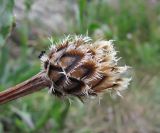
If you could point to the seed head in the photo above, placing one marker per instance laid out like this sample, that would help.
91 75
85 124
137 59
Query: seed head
77 66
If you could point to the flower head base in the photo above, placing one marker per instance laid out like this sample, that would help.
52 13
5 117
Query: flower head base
80 67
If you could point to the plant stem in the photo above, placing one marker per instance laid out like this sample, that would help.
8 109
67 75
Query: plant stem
29 86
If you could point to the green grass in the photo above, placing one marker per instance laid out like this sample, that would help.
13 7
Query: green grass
134 25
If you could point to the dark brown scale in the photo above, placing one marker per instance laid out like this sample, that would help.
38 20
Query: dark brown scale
79 72
102 84
98 82
74 63
75 86
61 80
66 61
57 77
55 55
84 71
74 56
59 48
58 55
55 68
53 72
90 69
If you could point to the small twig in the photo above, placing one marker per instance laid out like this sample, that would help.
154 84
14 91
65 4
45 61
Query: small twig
29 86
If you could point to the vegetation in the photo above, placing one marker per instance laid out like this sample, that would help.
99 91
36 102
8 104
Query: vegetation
134 25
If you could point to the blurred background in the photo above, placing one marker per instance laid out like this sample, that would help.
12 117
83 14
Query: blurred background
25 26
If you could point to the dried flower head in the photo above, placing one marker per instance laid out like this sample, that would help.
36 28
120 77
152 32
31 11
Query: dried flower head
77 66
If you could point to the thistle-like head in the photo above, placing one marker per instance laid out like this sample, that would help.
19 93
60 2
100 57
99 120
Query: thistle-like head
77 66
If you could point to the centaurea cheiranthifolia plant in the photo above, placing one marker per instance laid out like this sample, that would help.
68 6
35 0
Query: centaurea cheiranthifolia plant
76 66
